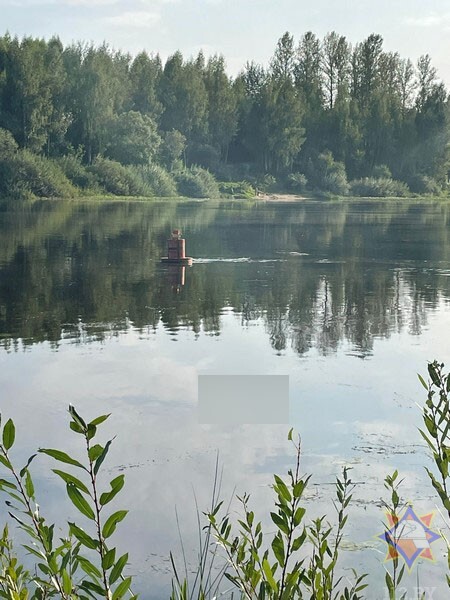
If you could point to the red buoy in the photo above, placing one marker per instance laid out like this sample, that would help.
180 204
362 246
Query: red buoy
176 249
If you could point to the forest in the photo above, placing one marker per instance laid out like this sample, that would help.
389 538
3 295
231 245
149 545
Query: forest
324 116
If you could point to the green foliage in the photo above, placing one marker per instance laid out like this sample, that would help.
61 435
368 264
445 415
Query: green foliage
375 112
273 565
78 173
381 172
8 145
83 564
379 187
237 189
156 181
26 175
328 175
266 183
172 149
393 508
132 139
196 182
118 179
423 184
436 418
297 182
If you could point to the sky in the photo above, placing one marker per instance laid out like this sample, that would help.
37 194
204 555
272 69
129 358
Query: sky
241 30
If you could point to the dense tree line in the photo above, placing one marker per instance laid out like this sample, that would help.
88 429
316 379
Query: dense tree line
323 113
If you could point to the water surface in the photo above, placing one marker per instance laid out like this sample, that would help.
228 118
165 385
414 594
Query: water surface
350 299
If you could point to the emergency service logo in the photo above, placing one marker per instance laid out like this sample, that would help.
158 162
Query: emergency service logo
409 536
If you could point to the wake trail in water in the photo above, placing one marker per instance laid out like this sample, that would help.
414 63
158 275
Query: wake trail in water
237 260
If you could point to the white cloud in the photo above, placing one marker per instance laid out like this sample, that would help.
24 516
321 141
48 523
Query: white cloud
137 19
90 3
30 3
430 20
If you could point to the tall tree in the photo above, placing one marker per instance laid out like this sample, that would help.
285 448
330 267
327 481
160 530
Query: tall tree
145 75
222 105
282 63
185 100
307 71
335 66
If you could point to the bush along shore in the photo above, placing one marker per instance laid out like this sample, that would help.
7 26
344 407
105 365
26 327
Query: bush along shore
324 117
28 176
297 559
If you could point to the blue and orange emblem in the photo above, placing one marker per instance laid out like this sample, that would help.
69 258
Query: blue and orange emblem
409 536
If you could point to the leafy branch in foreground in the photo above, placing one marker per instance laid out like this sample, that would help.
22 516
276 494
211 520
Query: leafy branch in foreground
322 569
393 535
274 568
101 577
436 418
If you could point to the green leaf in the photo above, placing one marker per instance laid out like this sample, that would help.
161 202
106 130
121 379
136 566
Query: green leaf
269 575
298 516
76 417
83 537
116 485
62 457
422 381
110 526
102 457
90 586
280 523
66 582
121 589
91 431
290 434
95 451
75 427
23 471
278 549
29 487
80 501
282 487
89 568
9 434
389 582
108 559
5 462
8 484
118 568
68 478
100 419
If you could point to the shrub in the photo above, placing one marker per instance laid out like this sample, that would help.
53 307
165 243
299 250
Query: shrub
77 173
266 183
156 180
117 179
422 184
328 175
27 175
381 172
197 183
237 189
335 183
378 188
8 144
297 182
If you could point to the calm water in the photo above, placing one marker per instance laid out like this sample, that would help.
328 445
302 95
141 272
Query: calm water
349 299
